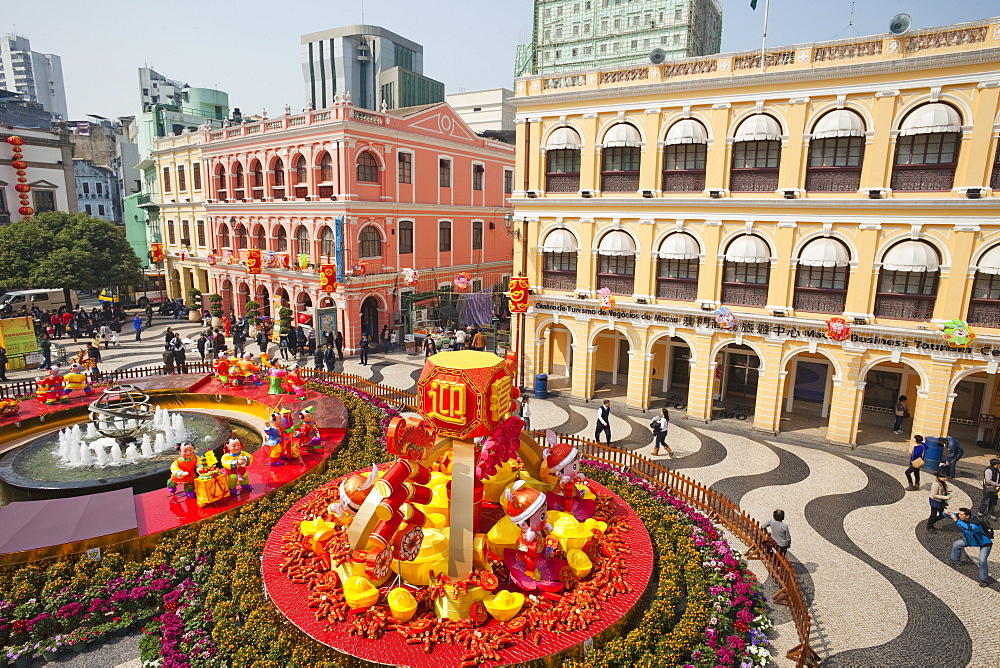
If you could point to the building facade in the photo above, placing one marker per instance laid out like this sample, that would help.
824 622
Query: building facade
18 112
372 193
36 76
843 208
374 65
485 110
581 34
49 173
97 191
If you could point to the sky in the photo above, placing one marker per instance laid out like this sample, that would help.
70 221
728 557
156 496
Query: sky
251 49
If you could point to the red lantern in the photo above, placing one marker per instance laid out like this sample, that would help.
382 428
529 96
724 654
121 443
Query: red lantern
14 140
19 164
22 188
18 155
25 211
20 172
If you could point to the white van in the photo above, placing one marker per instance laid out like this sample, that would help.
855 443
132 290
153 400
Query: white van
53 300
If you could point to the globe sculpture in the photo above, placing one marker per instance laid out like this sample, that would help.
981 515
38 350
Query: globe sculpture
120 412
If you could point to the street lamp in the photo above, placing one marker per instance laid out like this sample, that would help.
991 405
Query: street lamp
508 222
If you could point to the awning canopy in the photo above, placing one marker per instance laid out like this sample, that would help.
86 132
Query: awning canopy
679 246
934 117
559 241
616 243
686 132
911 256
748 249
563 138
990 263
839 123
622 134
824 253
758 128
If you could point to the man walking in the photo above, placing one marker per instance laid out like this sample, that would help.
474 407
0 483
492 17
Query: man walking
479 341
338 342
94 354
3 364
991 486
329 358
603 422
46 347
137 326
363 345
319 359
955 452
239 341
973 535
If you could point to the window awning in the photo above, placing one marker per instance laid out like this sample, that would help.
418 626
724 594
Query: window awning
990 263
679 246
616 243
622 134
934 117
911 256
563 138
758 128
748 249
839 123
686 132
824 253
559 241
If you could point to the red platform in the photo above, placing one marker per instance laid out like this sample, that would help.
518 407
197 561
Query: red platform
391 649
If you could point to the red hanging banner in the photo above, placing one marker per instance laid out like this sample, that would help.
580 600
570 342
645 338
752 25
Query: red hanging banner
156 253
253 261
518 293
328 278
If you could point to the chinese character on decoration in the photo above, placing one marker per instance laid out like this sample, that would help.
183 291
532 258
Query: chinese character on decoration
958 334
303 261
410 276
462 281
18 163
518 289
328 278
463 402
156 253
838 329
607 301
725 318
254 261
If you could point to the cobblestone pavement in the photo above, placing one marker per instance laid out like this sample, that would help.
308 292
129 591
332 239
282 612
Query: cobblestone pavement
880 587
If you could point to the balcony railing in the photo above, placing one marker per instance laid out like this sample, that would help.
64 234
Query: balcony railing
562 183
682 291
930 179
820 301
619 182
677 181
559 280
904 307
985 312
744 295
617 283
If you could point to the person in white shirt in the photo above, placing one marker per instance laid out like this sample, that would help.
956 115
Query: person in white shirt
460 339
526 413
660 431
603 422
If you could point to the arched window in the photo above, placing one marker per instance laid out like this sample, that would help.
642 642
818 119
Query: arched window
616 263
326 175
684 157
995 178
835 153
562 161
367 168
821 277
907 282
677 267
260 238
927 148
984 308
280 240
220 182
224 236
239 190
278 168
241 236
560 252
404 236
369 242
301 175
620 159
257 178
756 155
746 273
327 242
302 241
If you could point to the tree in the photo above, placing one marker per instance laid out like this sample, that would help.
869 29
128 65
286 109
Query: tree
61 250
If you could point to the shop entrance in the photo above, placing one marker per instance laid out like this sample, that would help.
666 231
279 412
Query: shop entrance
557 356
807 392
671 372
369 317
884 384
972 411
610 362
736 375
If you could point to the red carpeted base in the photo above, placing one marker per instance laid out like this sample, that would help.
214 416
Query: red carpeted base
391 649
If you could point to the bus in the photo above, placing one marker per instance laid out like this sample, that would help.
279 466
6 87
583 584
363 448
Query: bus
152 291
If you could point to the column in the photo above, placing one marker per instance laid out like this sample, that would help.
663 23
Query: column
186 284
650 160
864 277
710 269
717 155
876 168
845 406
975 160
640 375
793 150
767 410
590 156
782 284
702 382
586 263
534 155
933 410
644 262
953 293
582 375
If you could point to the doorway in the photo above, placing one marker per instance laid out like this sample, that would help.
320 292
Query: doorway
369 317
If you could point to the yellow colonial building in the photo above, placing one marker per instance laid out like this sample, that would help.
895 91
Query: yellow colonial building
183 187
855 180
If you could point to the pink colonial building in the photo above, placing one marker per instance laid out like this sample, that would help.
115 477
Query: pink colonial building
411 188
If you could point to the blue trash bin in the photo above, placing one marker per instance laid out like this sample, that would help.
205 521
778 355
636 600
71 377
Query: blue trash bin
541 386
933 453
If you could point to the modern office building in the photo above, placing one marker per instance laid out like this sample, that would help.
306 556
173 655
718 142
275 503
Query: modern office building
372 64
485 110
36 76
583 34
842 207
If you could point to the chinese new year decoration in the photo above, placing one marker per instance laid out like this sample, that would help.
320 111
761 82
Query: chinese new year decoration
725 318
518 295
958 334
605 298
20 165
156 253
211 259
410 276
328 278
254 261
462 281
837 329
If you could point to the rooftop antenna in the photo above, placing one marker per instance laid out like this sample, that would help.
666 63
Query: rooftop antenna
362 12
851 32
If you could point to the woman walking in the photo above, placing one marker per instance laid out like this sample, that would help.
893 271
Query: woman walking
916 463
901 412
660 432
940 495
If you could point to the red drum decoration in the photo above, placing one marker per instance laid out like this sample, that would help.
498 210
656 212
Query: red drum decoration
15 140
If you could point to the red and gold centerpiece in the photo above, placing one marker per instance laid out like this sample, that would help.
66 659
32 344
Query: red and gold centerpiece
478 543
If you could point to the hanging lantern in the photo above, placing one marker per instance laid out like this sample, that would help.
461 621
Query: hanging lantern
22 188
19 164
25 211
20 172
14 140
21 179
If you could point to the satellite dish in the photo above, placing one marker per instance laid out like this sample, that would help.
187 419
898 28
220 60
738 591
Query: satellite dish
900 23
657 56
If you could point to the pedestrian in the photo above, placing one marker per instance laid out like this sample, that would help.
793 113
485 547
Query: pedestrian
3 364
200 344
901 412
603 421
283 346
392 340
311 341
429 347
94 355
363 345
916 463
180 354
383 338
991 486
338 341
66 317
302 340
116 330
525 412
779 538
137 326
105 333
45 346
460 336
660 425
330 359
479 341
149 314
973 535
940 495
239 341
168 335
168 360
262 341
73 329
955 452
319 359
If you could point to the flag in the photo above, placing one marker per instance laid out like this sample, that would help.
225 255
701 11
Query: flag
753 4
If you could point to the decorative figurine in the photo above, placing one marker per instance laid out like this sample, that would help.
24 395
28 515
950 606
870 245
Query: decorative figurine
276 375
50 387
958 334
76 379
221 366
183 471
248 371
725 318
235 461
563 462
306 431
531 565
294 383
353 491
278 431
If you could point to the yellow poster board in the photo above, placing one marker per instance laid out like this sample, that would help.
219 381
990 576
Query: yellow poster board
17 335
